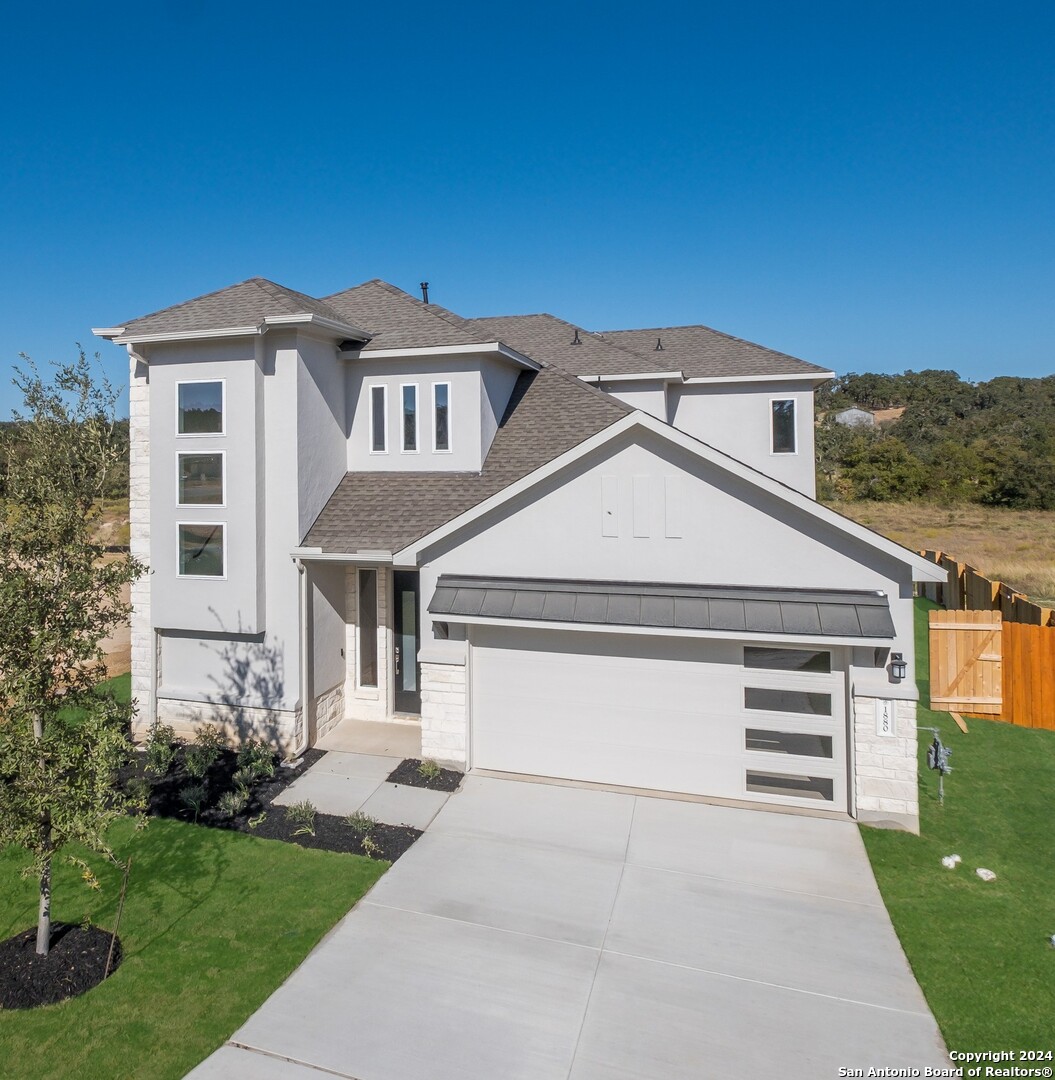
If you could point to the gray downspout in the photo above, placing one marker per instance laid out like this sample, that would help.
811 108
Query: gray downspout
307 703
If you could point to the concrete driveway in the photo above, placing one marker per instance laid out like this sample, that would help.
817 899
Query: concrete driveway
540 931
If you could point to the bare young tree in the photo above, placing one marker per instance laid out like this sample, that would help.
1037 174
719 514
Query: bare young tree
61 737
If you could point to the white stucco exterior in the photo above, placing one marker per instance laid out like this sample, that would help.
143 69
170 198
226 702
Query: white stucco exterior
272 647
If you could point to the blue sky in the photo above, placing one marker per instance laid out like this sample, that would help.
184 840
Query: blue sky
869 187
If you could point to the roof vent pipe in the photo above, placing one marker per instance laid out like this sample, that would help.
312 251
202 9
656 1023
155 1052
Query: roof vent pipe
659 344
575 340
424 292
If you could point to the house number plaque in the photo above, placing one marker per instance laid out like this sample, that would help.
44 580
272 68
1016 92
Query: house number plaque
884 718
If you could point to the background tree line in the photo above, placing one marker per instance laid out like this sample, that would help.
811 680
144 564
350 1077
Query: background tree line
14 447
991 442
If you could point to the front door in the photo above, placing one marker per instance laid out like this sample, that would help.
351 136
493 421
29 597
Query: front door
406 669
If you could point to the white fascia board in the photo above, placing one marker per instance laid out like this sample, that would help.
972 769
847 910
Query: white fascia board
309 554
110 332
489 348
815 377
663 631
922 569
122 337
645 376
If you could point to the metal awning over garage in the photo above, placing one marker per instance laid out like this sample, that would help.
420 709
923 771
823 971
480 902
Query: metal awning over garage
716 608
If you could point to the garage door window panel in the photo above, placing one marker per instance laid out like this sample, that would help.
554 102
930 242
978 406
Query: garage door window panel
794 785
814 661
791 743
772 699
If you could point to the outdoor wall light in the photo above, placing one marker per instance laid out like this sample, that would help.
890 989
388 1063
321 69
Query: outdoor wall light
898 667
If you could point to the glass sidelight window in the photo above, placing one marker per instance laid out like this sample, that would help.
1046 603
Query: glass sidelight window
778 659
368 628
787 701
820 788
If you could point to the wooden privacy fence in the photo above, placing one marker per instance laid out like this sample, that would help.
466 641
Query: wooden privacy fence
983 665
967 590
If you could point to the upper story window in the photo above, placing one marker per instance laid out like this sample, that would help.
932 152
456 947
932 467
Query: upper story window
202 552
378 418
441 416
783 425
409 395
200 408
200 478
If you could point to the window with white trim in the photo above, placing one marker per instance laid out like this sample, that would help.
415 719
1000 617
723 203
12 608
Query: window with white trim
378 419
200 407
441 417
200 478
408 394
783 421
202 551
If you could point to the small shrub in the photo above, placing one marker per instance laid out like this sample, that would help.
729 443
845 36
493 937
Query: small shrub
160 749
361 823
244 779
371 847
206 748
258 820
429 769
232 803
193 798
257 756
138 791
302 814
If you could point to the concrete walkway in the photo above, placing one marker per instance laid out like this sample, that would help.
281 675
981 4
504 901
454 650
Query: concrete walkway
542 932
341 784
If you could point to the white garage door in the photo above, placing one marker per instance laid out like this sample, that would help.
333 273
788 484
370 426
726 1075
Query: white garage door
721 718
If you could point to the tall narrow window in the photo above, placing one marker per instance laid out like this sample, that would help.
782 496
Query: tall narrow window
378 429
783 426
441 419
410 418
368 628
199 408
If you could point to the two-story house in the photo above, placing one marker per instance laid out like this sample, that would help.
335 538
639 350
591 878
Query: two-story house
589 556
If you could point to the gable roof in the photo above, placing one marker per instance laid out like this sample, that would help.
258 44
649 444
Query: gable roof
398 320
245 305
703 353
549 413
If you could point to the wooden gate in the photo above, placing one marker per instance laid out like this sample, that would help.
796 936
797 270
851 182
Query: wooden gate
1029 693
966 671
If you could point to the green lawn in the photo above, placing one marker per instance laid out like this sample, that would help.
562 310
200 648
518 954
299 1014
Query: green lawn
213 922
980 951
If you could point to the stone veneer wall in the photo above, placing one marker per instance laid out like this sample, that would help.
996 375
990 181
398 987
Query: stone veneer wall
238 723
444 722
886 766
142 633
366 703
329 710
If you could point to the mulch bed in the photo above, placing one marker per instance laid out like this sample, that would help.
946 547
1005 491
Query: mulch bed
406 772
260 817
74 964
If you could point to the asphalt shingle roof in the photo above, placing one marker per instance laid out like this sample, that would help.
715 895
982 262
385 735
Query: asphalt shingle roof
700 352
245 304
548 414
399 321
